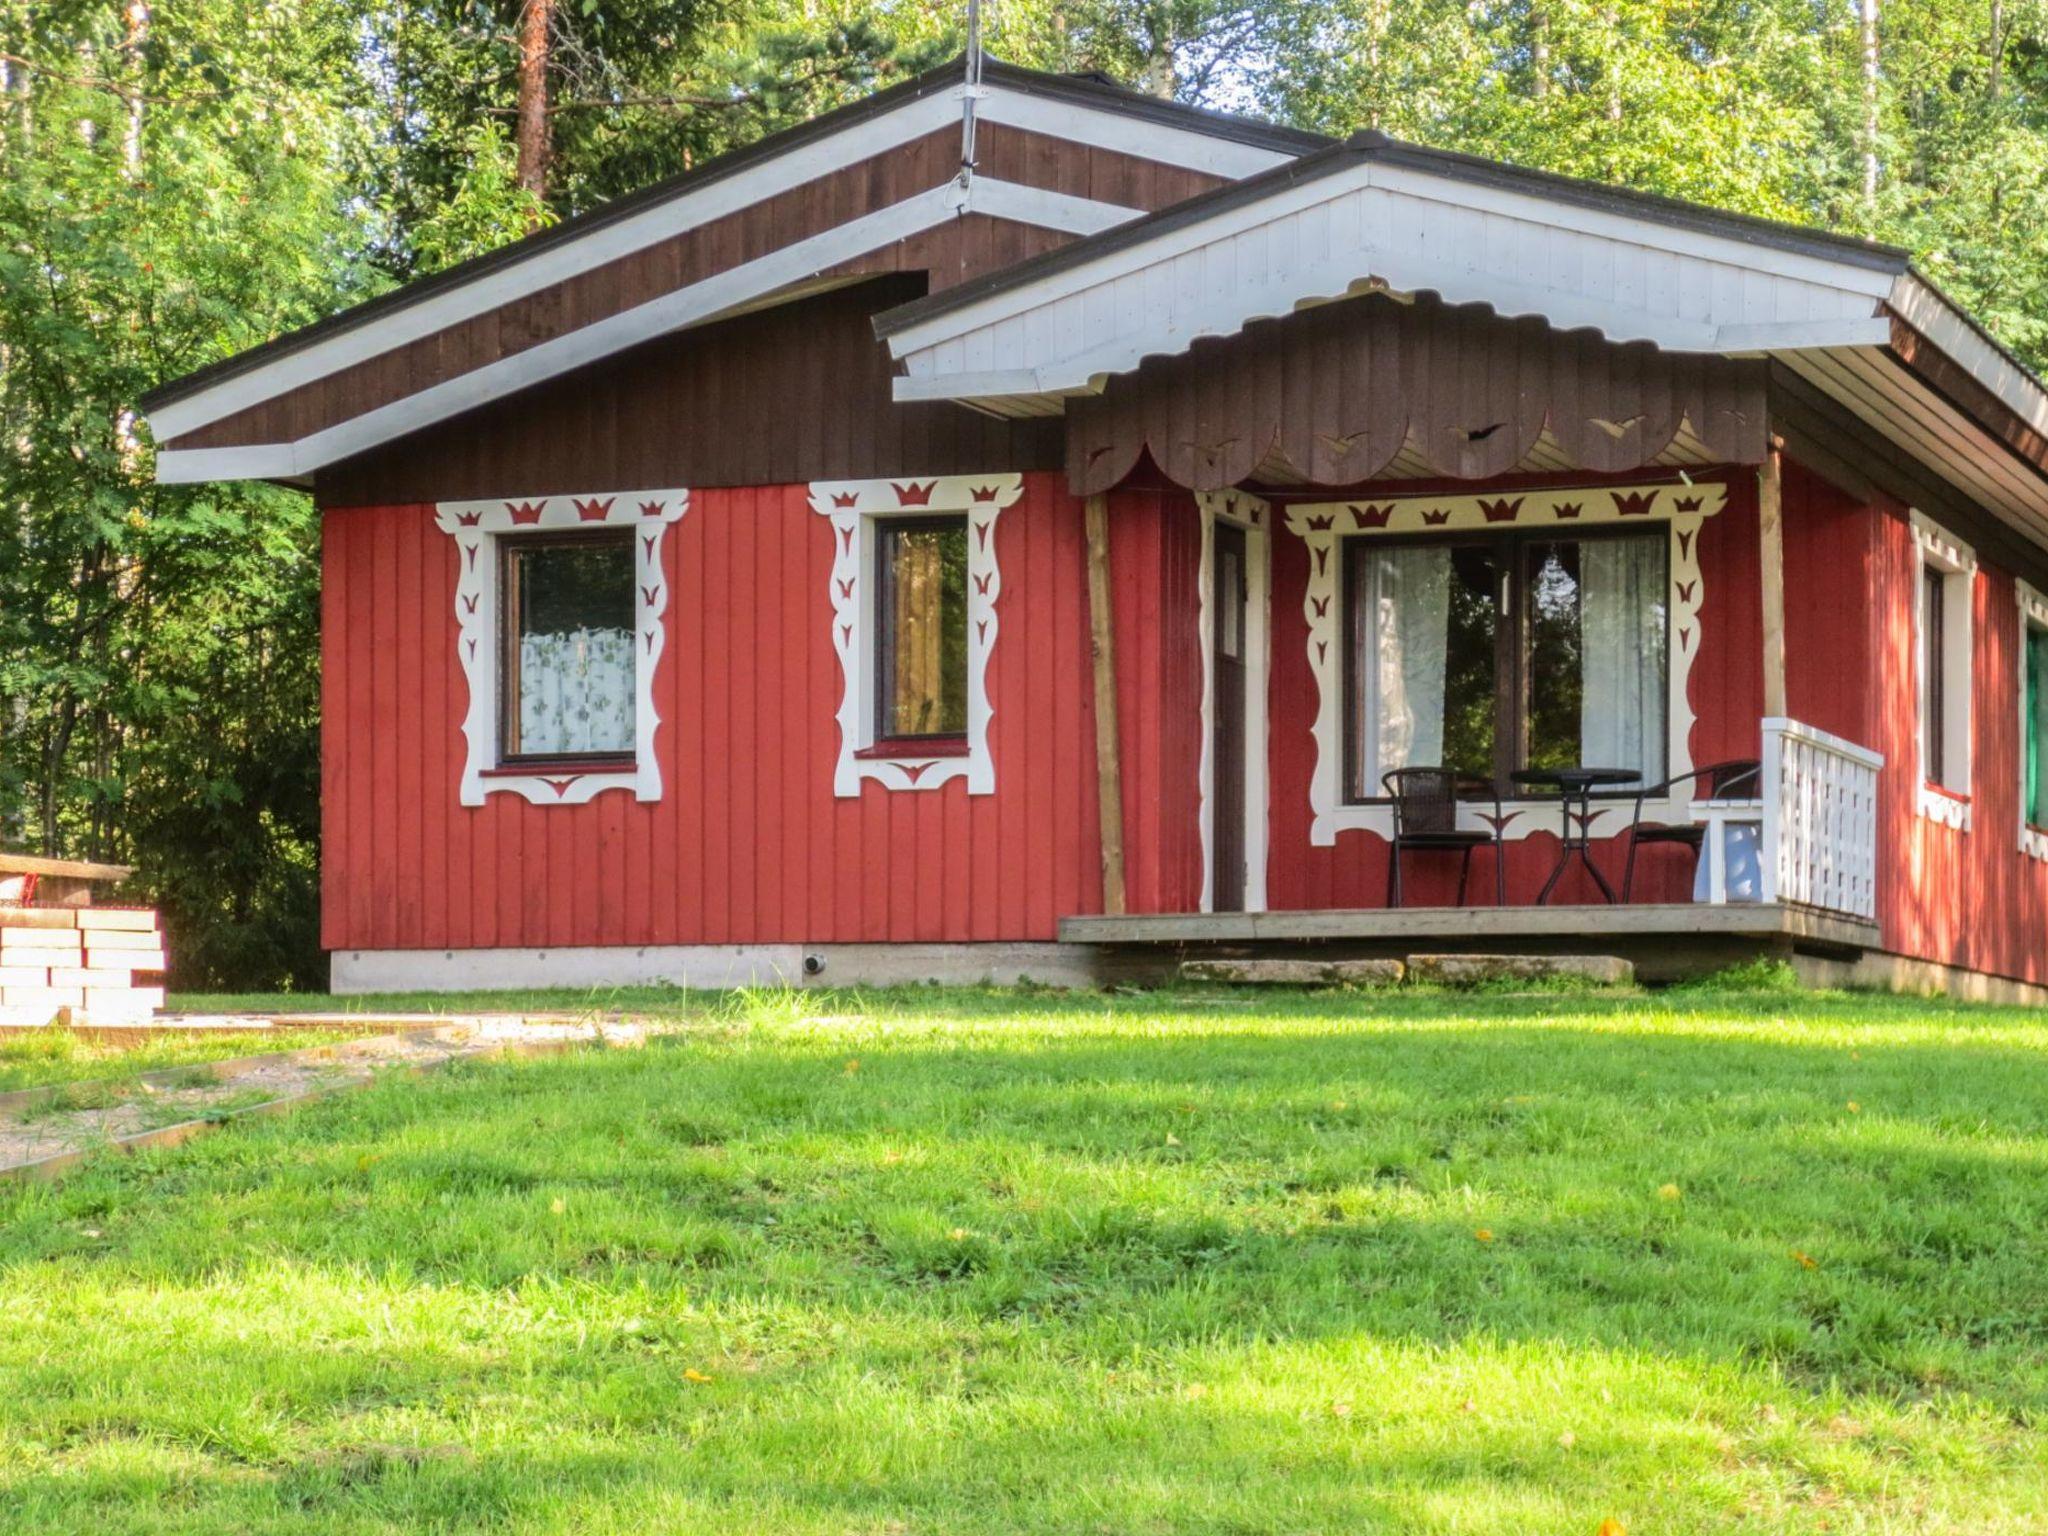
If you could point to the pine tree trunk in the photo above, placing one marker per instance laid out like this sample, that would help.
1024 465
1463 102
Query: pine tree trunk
534 136
1870 77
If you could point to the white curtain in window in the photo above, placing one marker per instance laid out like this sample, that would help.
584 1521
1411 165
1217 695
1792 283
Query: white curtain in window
1622 636
1411 635
576 691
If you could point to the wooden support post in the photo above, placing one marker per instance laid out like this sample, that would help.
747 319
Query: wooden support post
1770 504
1108 755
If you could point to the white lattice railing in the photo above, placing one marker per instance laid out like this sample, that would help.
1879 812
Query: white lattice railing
1819 797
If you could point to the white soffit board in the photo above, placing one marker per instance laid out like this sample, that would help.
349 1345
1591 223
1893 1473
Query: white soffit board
1406 230
553 263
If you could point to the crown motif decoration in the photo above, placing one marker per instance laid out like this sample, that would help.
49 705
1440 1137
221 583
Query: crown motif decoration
468 519
1373 514
1436 517
1567 509
525 512
593 510
846 498
984 492
1322 524
1686 504
1501 510
653 508
1633 503
914 495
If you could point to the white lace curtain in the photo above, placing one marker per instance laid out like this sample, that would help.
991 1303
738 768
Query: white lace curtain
1411 598
1622 600
576 691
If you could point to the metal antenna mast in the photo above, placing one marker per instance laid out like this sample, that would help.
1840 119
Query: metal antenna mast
972 93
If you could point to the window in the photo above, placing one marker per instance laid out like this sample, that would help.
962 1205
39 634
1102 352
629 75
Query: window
1490 654
1946 578
566 624
2033 720
921 629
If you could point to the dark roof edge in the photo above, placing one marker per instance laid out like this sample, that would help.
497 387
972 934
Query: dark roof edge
1372 146
1085 90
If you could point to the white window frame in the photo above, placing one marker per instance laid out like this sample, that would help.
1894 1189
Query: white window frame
855 509
2033 606
1682 509
479 528
1947 803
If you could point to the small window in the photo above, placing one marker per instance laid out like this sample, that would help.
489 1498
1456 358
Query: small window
568 677
2034 722
1942 662
921 628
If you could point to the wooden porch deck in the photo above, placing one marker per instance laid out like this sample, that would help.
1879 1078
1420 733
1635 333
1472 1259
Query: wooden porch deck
1666 942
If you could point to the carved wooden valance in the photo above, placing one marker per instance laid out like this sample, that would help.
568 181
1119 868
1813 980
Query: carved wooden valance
1367 387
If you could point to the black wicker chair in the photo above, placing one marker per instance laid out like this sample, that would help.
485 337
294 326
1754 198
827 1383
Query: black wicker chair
1426 821
1737 779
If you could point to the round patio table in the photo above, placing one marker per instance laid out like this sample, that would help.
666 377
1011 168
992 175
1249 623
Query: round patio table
1575 788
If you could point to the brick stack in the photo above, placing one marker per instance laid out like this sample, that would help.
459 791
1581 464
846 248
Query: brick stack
90 965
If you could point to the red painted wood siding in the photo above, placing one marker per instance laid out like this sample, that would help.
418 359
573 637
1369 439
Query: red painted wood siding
1726 689
1967 898
748 843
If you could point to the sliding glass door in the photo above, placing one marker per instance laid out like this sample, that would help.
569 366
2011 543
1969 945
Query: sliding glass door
1490 654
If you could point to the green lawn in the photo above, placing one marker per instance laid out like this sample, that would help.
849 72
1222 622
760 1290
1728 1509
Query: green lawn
951 1262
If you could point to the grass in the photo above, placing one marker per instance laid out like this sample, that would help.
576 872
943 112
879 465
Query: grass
970 1262
38 1057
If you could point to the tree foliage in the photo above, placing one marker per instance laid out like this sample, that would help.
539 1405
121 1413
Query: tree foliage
180 181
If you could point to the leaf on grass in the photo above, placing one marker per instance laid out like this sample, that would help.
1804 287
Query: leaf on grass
1172 1140
558 1205
1806 1260
1855 1108
852 1065
1484 1234
693 1374
1611 1527
1341 1409
1667 1192
1567 1440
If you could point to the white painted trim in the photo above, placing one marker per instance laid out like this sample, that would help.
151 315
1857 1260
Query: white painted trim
711 966
1215 154
477 528
854 506
2033 607
1683 509
1946 804
1253 516
609 242
714 298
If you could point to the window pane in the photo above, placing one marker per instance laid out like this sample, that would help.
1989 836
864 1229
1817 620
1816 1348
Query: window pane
1933 646
1424 619
572 604
923 629
1597 654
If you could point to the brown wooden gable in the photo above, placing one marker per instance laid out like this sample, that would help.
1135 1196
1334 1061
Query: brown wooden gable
947 255
1371 387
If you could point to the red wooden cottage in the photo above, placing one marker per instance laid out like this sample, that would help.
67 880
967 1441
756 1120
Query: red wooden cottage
837 560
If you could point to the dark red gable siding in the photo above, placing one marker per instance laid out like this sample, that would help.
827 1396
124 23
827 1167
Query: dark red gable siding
748 842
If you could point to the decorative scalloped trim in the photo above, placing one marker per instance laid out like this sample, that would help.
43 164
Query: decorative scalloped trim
1944 809
853 506
1682 508
476 526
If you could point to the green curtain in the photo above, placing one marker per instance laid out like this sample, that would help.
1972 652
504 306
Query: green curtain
2037 725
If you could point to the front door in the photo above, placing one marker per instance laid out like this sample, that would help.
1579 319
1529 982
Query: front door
1226 749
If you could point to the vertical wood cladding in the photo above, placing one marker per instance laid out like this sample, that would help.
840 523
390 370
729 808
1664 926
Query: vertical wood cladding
748 842
799 392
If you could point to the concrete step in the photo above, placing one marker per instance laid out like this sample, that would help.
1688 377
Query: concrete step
1295 973
1472 970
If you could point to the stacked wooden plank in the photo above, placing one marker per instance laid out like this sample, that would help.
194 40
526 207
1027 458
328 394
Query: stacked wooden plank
90 965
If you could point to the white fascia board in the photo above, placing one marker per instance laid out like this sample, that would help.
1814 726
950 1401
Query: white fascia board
1188 148
721 294
1846 285
1212 154
1924 309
